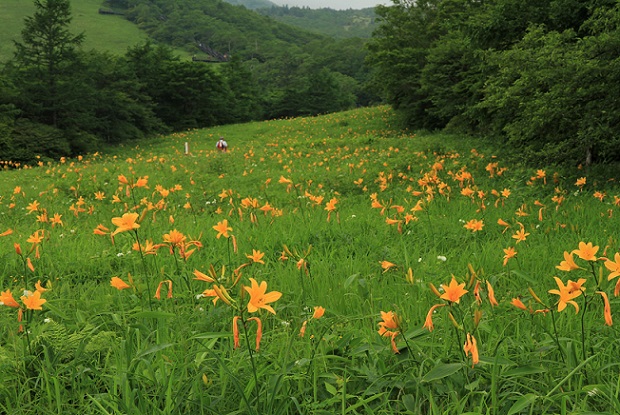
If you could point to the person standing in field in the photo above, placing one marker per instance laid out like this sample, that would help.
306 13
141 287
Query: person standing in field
222 145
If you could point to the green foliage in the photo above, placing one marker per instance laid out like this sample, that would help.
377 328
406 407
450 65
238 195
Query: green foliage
534 73
335 23
93 349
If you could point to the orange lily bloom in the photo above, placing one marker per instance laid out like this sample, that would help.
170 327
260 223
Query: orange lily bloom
387 265
520 235
390 321
503 223
586 251
318 312
158 291
474 225
7 232
428 322
257 256
491 294
607 312
260 298
568 264
174 238
518 303
566 294
6 298
453 291
33 301
613 266
509 253
235 330
222 229
471 347
118 283
202 277
127 222
259 331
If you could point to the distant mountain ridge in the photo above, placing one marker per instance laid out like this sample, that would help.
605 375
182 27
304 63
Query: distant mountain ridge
252 4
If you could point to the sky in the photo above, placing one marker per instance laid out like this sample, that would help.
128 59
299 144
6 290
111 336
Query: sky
332 4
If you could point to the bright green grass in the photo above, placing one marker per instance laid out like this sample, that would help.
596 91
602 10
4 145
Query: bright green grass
108 33
95 350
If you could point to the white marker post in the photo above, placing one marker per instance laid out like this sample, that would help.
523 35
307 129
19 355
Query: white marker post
186 148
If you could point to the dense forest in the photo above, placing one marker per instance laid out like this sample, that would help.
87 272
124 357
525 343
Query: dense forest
335 23
541 75
57 99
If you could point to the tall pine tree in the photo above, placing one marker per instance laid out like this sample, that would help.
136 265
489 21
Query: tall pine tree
46 58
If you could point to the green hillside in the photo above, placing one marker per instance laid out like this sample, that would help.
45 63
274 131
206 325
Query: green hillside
103 32
335 23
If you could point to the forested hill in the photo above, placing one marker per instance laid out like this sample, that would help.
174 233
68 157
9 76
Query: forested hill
60 96
335 23
212 26
252 4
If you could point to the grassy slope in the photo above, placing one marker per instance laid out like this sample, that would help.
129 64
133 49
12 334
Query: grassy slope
103 32
323 155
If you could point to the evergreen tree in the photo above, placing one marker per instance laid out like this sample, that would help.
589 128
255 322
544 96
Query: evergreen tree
46 57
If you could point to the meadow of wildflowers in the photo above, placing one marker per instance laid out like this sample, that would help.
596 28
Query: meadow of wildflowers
322 265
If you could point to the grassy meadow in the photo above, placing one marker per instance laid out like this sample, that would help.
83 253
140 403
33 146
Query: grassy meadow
322 265
104 33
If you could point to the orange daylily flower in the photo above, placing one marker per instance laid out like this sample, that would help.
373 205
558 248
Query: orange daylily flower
613 266
453 291
222 229
147 248
202 277
118 283
40 288
33 301
580 182
391 322
302 330
566 294
127 222
503 223
607 308
586 251
257 256
318 312
474 225
509 253
56 220
33 207
6 298
387 265
235 330
174 238
491 293
36 238
520 235
568 264
518 303
259 297
259 331
428 322
471 347
158 291
7 232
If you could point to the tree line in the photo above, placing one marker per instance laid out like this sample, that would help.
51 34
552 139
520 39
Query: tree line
543 76
57 99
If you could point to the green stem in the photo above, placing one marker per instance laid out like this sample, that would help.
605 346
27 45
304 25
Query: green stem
247 342
557 340
146 273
